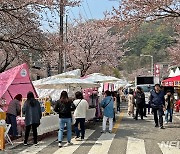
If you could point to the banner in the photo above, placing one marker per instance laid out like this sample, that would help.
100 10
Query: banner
156 70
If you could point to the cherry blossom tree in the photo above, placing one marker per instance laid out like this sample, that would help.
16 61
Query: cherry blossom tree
91 46
146 10
174 53
135 12
20 32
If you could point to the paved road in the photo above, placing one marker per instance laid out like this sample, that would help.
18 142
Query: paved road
129 137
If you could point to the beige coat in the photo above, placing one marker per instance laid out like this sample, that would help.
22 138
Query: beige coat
130 103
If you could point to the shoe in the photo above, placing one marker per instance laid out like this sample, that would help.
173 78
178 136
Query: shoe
35 144
25 144
103 131
59 145
156 125
166 122
69 143
18 135
162 127
135 118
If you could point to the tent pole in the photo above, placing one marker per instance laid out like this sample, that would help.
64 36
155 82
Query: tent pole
10 94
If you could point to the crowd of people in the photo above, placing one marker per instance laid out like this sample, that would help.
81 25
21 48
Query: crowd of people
110 104
161 103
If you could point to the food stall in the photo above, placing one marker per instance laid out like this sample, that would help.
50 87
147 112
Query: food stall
174 82
50 119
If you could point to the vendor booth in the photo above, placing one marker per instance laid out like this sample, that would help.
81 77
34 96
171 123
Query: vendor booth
174 82
15 81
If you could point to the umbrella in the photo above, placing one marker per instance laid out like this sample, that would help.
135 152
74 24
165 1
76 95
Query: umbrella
66 83
100 78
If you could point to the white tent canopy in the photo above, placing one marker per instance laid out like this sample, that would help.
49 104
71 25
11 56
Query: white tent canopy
66 83
122 83
100 78
71 74
177 72
172 74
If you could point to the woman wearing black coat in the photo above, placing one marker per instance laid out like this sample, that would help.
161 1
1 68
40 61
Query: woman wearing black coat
140 102
32 111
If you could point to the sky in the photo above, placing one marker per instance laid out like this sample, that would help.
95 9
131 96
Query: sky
89 9
93 8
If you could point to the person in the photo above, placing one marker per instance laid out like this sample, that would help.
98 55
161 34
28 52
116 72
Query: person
80 114
140 102
113 94
157 103
63 107
14 109
107 103
118 102
169 105
33 114
131 103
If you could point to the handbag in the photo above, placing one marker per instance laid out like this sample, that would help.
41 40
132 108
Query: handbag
78 103
104 106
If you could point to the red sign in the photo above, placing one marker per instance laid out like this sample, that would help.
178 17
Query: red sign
156 69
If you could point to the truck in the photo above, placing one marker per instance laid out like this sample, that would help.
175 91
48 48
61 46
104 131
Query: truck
147 84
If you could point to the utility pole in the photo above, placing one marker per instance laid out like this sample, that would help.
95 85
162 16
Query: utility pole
61 14
66 42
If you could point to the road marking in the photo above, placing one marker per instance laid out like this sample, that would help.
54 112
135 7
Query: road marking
103 144
76 144
42 144
117 124
168 149
135 146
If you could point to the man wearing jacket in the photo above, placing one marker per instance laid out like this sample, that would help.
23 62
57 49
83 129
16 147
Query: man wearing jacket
158 103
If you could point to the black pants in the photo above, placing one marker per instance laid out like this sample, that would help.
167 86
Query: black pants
145 109
139 110
27 131
118 107
114 119
82 126
158 111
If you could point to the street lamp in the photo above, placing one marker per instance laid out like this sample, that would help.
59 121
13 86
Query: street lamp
152 62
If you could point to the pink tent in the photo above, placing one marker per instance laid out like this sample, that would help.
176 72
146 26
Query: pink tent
15 81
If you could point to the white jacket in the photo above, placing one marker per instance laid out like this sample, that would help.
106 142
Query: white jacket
80 111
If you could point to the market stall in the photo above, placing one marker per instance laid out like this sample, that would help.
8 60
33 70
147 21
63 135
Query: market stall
50 123
95 95
68 84
13 81
174 82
